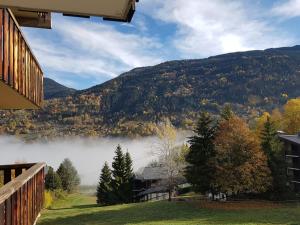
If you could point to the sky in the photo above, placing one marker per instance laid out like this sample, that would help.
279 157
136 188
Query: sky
80 52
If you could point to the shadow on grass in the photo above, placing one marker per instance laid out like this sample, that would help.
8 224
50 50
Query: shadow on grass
168 213
88 206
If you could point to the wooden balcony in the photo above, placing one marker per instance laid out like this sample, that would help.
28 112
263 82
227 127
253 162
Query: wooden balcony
22 196
21 77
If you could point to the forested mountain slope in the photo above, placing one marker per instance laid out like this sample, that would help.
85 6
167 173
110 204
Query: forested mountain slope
252 82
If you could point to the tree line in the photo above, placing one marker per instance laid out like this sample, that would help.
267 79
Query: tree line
226 156
66 177
116 184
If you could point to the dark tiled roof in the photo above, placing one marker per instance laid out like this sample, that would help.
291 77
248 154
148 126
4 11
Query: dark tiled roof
158 189
153 173
290 138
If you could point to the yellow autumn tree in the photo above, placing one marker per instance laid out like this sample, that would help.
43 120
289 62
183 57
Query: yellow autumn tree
260 122
241 165
291 116
169 155
275 118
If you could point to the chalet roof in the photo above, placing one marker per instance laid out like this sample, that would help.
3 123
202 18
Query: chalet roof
153 173
157 189
290 138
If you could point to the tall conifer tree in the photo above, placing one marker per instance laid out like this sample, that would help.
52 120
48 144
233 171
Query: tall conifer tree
200 170
276 161
129 176
104 189
119 174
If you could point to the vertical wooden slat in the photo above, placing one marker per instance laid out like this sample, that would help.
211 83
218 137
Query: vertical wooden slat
29 72
2 214
26 73
1 44
29 202
18 171
5 46
25 204
20 63
11 52
8 212
7 176
20 206
16 55
14 201
23 67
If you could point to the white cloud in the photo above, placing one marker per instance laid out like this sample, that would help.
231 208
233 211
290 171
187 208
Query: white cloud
99 51
92 49
288 9
210 27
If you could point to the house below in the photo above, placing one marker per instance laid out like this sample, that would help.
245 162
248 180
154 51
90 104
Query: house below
292 155
150 185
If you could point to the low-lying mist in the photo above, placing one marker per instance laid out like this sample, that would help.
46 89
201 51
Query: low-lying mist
87 154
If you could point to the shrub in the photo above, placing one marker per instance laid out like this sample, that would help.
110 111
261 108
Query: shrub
59 194
48 199
52 180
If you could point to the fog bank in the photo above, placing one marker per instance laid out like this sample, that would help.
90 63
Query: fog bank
87 154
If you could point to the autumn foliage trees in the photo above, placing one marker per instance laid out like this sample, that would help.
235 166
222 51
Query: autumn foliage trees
226 156
241 165
286 119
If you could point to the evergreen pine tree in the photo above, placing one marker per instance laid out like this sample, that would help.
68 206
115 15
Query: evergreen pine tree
273 149
52 180
119 175
129 177
68 175
128 166
104 189
200 171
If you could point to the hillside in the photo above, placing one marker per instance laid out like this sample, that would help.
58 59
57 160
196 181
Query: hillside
52 89
258 79
131 104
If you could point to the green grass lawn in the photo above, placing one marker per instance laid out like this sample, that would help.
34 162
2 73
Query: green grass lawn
78 209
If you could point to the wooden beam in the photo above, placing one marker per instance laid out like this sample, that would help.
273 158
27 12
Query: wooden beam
33 18
17 166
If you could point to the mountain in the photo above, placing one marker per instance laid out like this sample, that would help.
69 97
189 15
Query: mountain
133 103
52 89
258 80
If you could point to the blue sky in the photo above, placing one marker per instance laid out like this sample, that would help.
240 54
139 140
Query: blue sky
80 53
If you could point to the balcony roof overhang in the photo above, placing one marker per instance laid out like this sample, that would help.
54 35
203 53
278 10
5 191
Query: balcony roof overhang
37 13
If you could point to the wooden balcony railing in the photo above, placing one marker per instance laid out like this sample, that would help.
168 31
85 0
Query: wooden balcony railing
21 77
22 196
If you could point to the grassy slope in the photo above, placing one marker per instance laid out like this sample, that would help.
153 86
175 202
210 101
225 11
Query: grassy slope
81 210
